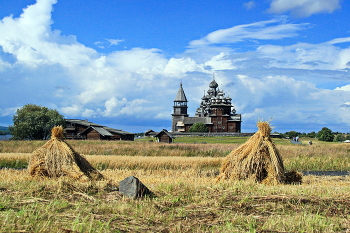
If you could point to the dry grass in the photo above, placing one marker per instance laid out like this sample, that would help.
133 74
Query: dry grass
187 201
103 162
56 158
257 159
322 157
187 197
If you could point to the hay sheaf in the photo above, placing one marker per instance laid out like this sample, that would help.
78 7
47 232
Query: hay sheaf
56 158
257 159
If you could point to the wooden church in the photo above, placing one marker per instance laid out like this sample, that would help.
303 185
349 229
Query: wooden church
215 111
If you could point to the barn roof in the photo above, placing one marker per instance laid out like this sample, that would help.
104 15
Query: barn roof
117 131
99 130
165 132
82 122
103 130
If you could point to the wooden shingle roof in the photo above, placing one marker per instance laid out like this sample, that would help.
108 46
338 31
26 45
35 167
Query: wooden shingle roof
180 96
165 132
103 130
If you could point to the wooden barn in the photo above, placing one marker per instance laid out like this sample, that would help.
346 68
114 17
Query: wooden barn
164 136
149 133
85 130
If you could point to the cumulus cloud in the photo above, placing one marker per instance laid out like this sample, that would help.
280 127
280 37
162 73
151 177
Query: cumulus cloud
137 59
30 39
42 66
73 110
287 100
179 66
220 62
273 29
343 88
113 106
303 8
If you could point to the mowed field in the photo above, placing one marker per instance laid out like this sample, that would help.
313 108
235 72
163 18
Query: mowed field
186 196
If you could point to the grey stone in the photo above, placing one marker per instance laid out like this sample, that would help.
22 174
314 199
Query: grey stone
133 188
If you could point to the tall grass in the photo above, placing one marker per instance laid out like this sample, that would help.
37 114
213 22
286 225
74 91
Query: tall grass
126 148
109 154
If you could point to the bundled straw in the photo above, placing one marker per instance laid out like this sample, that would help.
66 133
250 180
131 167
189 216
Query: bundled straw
257 159
56 158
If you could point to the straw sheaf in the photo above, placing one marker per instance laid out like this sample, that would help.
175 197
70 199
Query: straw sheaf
56 158
256 159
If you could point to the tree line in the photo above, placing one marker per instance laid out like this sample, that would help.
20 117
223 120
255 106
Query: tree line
33 122
325 134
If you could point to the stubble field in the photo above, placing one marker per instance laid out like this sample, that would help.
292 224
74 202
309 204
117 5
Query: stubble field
186 197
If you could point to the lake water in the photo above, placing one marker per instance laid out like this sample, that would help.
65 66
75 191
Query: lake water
5 137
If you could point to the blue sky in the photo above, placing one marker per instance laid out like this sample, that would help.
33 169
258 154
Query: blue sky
120 63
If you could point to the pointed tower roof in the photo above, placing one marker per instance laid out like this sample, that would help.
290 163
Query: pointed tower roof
180 96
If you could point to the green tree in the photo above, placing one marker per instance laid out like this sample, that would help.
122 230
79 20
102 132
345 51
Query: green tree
312 134
325 135
198 127
33 122
292 134
339 137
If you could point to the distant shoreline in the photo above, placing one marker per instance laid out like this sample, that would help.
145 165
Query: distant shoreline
5 137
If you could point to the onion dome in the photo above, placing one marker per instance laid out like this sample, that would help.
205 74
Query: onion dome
213 84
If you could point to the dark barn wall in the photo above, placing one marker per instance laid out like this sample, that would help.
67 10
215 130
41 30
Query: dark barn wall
163 137
93 135
116 137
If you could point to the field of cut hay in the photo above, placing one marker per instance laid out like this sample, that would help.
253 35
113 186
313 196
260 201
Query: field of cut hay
186 196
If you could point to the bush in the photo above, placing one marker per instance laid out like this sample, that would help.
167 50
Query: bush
325 135
198 127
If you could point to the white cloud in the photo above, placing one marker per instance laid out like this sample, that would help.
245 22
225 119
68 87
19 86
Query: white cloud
8 111
74 110
273 29
113 106
88 113
108 43
303 8
343 88
287 101
114 41
220 62
249 5
339 40
4 65
179 67
30 39
323 56
137 59
140 83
